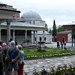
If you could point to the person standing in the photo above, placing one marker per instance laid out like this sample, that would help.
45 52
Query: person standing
21 64
1 61
61 45
13 56
58 44
5 47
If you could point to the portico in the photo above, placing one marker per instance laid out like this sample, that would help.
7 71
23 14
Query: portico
6 15
20 30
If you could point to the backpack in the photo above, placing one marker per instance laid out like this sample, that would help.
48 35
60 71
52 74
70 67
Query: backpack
13 54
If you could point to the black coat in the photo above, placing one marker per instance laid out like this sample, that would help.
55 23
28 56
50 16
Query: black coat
1 61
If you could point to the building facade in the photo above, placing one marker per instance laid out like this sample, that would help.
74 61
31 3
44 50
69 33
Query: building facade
67 35
21 28
47 37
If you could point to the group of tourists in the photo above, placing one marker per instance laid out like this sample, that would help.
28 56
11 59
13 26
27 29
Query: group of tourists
61 45
11 58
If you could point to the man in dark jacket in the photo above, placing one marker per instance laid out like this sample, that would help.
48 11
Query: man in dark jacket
1 62
5 47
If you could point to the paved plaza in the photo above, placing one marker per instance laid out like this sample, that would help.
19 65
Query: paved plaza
47 63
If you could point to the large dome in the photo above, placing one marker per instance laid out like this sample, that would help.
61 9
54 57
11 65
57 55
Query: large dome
30 15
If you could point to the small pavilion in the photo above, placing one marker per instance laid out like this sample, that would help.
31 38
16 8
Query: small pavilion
6 15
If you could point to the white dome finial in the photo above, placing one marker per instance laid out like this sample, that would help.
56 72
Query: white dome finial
30 8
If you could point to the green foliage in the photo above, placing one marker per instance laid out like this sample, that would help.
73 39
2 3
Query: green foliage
32 52
60 70
46 26
59 29
73 35
50 31
54 33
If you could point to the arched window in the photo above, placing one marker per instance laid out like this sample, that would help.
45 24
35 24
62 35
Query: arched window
35 38
40 39
44 38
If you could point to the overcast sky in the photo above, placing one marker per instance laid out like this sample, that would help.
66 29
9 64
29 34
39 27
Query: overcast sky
63 11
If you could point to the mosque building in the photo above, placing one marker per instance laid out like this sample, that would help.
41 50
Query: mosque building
24 28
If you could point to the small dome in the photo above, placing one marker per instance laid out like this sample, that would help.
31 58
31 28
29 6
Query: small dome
30 15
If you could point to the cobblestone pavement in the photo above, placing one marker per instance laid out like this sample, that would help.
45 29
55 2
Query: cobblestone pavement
31 65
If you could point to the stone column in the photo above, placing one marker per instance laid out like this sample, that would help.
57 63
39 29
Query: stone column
8 29
14 35
33 36
43 35
26 38
0 34
25 34
36 38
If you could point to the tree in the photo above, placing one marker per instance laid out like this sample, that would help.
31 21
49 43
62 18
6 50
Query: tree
54 33
60 28
49 30
46 26
73 39
73 35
